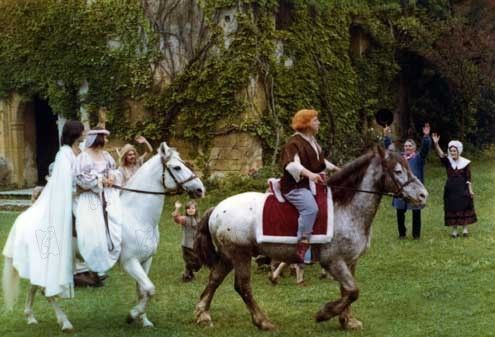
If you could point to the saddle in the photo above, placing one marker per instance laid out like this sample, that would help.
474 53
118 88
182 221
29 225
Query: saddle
279 218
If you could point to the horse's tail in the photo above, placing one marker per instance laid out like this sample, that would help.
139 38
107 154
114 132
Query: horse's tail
10 283
203 244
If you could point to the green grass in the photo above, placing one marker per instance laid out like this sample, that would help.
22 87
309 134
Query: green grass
437 286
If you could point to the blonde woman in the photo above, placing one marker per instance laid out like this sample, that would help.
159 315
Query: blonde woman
129 159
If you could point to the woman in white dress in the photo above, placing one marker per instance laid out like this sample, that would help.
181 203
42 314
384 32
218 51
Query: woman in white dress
97 207
39 246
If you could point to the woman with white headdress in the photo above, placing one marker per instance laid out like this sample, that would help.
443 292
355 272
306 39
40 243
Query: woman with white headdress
458 191
97 209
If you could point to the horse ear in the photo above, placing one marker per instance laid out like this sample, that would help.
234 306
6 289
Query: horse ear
165 151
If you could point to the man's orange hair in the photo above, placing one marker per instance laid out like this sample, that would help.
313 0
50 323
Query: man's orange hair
302 118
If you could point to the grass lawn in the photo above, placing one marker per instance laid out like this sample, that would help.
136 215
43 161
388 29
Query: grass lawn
437 286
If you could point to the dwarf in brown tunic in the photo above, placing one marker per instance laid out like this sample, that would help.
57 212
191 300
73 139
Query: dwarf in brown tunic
303 161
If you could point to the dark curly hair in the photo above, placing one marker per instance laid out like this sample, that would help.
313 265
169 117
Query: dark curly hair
71 132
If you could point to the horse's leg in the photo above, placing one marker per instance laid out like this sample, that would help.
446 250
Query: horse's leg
217 275
300 275
144 299
345 318
28 308
62 319
349 291
146 287
242 268
274 276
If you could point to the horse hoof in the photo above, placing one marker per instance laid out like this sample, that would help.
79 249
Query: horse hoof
32 321
67 327
273 280
204 319
130 319
151 291
322 316
148 324
267 326
353 324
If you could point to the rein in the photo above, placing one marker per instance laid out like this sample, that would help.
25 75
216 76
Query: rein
137 191
393 195
400 187
179 184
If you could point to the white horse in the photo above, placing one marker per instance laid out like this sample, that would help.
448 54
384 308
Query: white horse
163 173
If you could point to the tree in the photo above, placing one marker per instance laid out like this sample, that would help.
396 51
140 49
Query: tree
463 54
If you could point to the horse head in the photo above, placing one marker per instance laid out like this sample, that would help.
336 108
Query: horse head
399 179
177 175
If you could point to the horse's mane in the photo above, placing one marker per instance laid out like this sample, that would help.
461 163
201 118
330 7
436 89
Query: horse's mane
348 178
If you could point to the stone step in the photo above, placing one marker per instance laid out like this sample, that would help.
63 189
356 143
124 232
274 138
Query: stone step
16 205
24 194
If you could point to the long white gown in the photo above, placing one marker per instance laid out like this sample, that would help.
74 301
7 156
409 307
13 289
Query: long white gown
40 241
99 243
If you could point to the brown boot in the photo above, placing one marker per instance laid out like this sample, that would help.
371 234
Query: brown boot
301 248
87 279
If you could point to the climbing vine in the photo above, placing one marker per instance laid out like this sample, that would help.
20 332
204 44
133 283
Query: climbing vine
318 69
306 64
50 48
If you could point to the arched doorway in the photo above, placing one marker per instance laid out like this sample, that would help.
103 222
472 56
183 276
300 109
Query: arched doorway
47 137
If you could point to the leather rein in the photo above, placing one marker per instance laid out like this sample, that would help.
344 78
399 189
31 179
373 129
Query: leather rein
179 184
396 194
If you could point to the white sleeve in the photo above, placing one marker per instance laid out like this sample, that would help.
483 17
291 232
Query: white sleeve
85 175
330 166
295 168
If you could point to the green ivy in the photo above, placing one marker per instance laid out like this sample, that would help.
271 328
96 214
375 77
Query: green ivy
50 47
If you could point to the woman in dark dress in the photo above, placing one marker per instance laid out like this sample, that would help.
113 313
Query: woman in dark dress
458 192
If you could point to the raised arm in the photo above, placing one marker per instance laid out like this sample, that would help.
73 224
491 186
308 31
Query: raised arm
387 137
436 139
178 218
149 149
426 143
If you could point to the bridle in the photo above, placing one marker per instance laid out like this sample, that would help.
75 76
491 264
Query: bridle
166 168
398 185
179 184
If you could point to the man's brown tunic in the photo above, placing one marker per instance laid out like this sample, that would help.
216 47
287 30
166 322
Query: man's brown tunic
296 144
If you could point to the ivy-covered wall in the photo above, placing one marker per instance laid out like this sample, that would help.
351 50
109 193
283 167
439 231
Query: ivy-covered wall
300 53
50 48
296 54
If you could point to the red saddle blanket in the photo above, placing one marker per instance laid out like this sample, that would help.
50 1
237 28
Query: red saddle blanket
280 218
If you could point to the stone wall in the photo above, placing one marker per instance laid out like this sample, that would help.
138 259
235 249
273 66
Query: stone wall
18 141
235 153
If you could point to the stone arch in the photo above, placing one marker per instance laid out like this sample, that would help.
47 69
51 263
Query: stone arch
18 140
